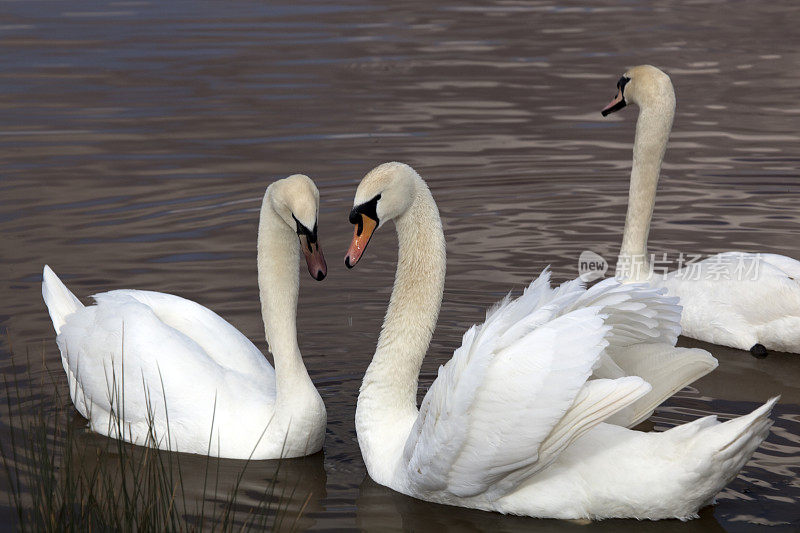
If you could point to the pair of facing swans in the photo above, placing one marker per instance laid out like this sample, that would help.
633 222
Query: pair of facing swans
531 416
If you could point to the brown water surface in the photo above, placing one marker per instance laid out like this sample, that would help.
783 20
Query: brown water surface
137 137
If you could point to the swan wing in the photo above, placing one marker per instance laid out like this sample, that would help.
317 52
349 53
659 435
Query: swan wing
637 313
127 362
746 262
219 340
645 324
514 395
740 299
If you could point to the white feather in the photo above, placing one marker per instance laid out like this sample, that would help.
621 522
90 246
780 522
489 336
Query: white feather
513 422
159 370
740 299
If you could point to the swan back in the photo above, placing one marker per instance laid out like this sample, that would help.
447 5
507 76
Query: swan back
215 336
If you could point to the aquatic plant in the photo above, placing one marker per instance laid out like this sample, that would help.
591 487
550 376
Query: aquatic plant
62 477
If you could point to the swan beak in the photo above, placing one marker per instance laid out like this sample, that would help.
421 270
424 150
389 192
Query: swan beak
614 105
314 258
361 236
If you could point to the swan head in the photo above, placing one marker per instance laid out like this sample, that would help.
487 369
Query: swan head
644 85
385 193
296 200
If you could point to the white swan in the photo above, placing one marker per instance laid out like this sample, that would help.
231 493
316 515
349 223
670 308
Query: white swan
749 301
511 423
222 396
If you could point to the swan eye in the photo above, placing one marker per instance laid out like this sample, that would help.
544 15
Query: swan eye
369 209
311 235
365 219
623 81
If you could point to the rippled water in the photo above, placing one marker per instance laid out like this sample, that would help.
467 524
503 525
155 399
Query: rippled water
137 138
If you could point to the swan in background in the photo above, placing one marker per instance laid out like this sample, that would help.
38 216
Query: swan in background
512 423
190 381
749 301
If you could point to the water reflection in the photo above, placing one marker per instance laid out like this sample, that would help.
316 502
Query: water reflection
138 138
281 494
288 491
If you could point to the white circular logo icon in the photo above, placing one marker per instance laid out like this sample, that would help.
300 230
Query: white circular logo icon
591 266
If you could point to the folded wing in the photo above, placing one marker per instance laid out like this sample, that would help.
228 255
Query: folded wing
515 394
645 325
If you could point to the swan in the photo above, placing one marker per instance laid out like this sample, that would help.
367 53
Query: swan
512 423
159 370
749 301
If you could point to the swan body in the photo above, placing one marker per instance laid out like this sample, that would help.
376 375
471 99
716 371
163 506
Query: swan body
749 301
754 301
159 370
514 421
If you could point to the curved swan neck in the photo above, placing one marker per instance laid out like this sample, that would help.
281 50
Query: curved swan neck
652 133
278 283
389 390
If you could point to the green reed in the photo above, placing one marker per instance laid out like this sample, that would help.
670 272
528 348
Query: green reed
62 477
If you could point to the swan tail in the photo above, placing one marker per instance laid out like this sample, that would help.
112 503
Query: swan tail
736 439
60 302
722 449
668 369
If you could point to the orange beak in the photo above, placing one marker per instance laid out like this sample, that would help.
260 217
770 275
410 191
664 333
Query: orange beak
314 258
365 226
614 105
